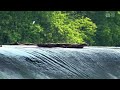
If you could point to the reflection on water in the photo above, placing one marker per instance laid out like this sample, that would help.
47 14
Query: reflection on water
61 63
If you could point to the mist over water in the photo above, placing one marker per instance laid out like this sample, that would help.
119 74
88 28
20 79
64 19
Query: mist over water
31 62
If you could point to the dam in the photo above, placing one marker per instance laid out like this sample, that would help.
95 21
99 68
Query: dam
32 62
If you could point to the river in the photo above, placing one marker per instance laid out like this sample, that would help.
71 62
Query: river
32 62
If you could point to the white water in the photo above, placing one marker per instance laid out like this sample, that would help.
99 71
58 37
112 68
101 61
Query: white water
31 62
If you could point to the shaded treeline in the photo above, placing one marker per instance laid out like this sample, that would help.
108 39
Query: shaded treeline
92 27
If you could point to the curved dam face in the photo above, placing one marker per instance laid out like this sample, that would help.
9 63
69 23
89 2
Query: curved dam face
32 62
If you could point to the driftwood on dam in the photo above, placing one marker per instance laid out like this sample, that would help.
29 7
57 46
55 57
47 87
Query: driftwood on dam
50 45
62 45
17 43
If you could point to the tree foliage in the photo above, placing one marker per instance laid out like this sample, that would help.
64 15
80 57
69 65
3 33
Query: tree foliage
45 27
108 25
92 27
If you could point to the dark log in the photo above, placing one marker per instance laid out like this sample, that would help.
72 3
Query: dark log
29 44
16 43
50 45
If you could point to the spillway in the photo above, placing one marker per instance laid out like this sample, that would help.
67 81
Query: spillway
32 62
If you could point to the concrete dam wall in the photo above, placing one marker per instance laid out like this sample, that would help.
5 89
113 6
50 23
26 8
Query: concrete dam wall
32 62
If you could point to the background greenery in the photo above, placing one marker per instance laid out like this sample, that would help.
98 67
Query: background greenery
93 27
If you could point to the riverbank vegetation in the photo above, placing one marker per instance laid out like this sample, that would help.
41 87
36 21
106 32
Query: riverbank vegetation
92 27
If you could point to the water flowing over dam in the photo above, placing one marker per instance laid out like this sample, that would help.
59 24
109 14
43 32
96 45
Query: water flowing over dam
32 62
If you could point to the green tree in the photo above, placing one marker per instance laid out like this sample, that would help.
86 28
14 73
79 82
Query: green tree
70 29
107 33
48 27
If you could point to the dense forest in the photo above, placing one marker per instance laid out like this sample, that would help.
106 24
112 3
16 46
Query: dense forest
100 28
